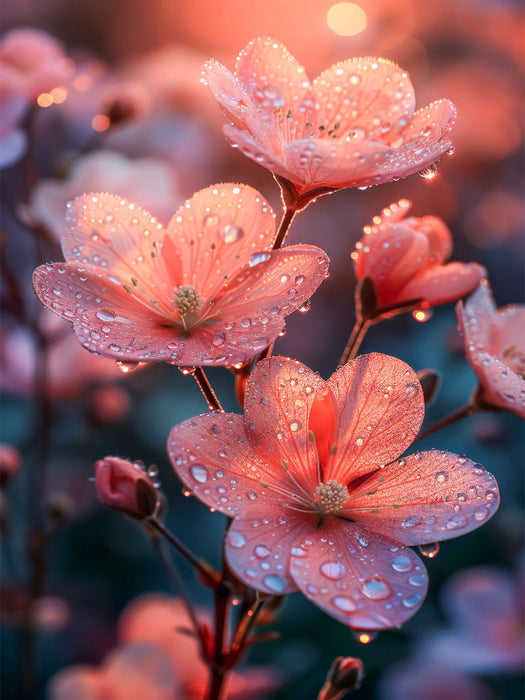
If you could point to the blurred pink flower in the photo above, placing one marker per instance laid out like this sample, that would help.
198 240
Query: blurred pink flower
123 486
495 349
487 633
32 62
405 256
70 368
205 291
10 463
355 126
157 660
318 498
149 182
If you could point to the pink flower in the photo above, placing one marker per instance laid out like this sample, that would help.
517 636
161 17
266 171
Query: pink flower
487 633
149 182
10 463
123 486
353 126
495 349
405 256
157 660
318 498
33 62
205 291
13 140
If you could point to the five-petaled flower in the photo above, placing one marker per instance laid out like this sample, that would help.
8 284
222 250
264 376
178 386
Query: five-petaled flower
208 290
495 349
319 499
404 257
354 126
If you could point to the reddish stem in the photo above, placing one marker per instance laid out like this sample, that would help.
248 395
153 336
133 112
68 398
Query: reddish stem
354 341
456 415
284 227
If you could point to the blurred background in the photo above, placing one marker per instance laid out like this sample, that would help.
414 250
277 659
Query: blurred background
131 117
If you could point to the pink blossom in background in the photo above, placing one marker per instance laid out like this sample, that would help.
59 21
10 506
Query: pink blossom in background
354 126
70 368
149 182
495 348
487 623
33 62
319 499
123 485
157 658
205 291
405 258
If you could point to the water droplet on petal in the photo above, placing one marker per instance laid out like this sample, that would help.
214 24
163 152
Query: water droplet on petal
236 539
274 583
417 579
411 521
364 636
402 563
199 473
429 550
332 570
375 589
411 601
456 522
441 477
231 234
343 603
261 551
430 172
258 258
105 315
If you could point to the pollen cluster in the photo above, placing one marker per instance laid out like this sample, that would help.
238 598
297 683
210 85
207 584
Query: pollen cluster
186 301
332 495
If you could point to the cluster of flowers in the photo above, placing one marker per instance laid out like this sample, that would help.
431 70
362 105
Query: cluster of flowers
312 477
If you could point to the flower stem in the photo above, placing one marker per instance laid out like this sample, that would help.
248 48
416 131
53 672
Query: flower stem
204 385
219 671
456 415
354 341
211 576
284 227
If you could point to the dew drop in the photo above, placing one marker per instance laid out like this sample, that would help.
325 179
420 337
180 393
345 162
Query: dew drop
295 425
417 579
456 522
441 477
105 315
274 583
210 221
402 564
297 552
199 473
430 172
411 601
126 367
332 570
231 234
218 339
236 539
261 551
411 521
258 258
375 589
481 514
364 636
343 603
429 550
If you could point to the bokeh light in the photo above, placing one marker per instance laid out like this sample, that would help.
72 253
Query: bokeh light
346 19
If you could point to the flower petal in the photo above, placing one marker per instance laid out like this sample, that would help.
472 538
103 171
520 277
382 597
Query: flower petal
362 581
258 546
276 82
258 150
425 497
430 124
118 237
217 231
381 411
440 284
277 406
370 98
276 282
215 461
106 319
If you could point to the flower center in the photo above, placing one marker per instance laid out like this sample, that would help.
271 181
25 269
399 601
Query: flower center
331 496
187 302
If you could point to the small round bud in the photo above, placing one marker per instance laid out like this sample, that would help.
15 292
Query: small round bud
345 674
123 486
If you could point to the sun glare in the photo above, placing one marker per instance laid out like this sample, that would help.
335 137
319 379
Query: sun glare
346 19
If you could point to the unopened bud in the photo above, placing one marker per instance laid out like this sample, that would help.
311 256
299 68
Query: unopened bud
345 674
430 381
123 486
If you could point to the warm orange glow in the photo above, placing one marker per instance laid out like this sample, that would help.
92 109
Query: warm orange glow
83 83
58 94
422 316
100 122
346 19
44 100
365 638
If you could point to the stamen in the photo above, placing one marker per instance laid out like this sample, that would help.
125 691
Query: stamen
332 496
187 302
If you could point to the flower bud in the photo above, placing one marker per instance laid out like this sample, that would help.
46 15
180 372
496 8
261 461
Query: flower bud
123 486
345 674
